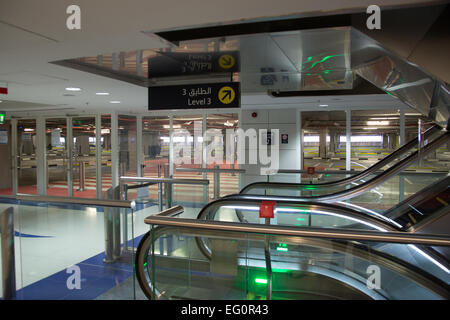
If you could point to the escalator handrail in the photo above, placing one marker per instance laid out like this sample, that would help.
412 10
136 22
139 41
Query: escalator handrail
360 175
349 213
416 274
354 191
424 194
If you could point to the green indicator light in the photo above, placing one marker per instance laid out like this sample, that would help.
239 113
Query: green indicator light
282 249
300 219
259 280
2 118
284 245
145 264
280 270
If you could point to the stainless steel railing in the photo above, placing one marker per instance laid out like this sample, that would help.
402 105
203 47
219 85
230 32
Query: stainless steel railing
8 254
169 182
7 231
217 171
245 232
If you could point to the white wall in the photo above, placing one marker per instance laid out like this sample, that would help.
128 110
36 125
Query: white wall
285 121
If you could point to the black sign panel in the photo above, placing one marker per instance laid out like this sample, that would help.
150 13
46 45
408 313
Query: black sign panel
196 96
167 64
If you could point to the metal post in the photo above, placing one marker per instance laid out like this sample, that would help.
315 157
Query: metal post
98 155
108 224
216 183
8 254
82 175
116 224
168 187
69 156
14 153
160 192
268 264
420 142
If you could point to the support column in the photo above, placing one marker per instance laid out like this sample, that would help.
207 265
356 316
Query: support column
323 143
300 143
171 150
348 145
98 154
114 149
204 157
41 163
402 128
14 155
69 154
139 157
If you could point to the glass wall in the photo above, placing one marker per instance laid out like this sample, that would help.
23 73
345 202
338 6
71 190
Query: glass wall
84 157
217 149
56 156
26 156
127 146
188 153
155 151
323 142
106 152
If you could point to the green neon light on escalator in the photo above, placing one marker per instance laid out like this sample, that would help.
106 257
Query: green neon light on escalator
323 60
260 280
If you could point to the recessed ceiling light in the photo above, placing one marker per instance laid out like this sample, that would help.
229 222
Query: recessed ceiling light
114 101
102 93
323 105
73 89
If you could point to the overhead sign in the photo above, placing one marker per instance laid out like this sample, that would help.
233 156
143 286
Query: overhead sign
2 117
196 96
3 90
168 64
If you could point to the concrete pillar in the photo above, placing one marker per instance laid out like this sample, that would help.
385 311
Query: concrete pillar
41 155
333 142
348 145
114 149
323 143
98 155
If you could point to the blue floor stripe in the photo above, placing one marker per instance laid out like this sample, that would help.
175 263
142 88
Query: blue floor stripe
97 278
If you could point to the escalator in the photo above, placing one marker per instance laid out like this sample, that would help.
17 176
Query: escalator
328 187
213 260
425 208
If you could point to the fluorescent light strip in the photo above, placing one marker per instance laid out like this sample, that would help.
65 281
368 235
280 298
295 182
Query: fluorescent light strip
370 211
429 258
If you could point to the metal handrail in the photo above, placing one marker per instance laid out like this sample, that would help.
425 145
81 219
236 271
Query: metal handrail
164 180
354 191
335 234
160 181
404 173
73 200
211 170
402 267
372 169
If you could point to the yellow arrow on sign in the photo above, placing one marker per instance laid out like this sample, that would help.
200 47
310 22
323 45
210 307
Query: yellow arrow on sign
226 95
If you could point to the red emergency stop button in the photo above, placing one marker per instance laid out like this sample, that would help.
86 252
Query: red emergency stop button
266 209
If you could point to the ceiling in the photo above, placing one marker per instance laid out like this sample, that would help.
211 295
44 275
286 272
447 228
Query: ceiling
34 33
